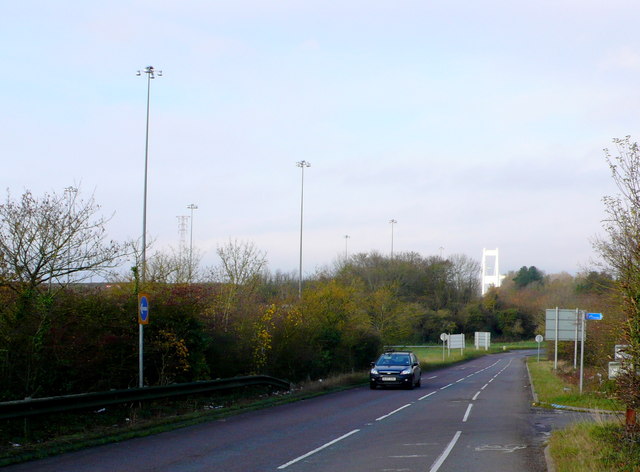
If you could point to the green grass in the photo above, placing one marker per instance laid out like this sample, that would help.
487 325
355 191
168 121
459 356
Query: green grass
600 446
432 357
594 447
552 389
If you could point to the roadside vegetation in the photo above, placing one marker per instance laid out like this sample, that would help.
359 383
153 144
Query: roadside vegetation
61 335
599 445
561 389
594 447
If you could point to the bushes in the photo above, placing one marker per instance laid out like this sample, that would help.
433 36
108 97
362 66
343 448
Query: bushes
86 338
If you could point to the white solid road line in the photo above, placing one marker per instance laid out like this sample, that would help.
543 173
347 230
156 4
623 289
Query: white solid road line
427 395
394 411
283 466
436 465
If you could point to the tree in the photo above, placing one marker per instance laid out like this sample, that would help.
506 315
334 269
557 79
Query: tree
52 240
621 255
174 266
242 262
594 282
464 277
526 276
241 270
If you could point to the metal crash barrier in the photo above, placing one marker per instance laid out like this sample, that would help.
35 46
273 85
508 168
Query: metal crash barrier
40 406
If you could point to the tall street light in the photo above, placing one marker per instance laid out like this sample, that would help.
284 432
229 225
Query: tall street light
393 222
191 206
70 193
302 165
346 240
151 74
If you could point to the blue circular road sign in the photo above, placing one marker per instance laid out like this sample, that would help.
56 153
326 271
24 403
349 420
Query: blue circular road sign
143 308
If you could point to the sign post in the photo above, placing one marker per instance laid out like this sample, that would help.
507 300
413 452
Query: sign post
575 343
562 325
482 339
555 356
539 339
143 319
443 338
456 341
582 352
586 316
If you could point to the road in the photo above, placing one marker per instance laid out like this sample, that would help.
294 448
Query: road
474 416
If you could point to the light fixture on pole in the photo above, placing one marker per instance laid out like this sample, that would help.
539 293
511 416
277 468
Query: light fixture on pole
302 165
151 74
346 240
393 222
71 193
191 206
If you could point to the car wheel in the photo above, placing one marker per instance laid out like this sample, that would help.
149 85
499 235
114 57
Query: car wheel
419 381
372 385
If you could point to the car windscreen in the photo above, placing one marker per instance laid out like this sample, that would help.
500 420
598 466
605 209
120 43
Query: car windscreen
387 359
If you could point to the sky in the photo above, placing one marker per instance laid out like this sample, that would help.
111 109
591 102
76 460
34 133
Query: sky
473 124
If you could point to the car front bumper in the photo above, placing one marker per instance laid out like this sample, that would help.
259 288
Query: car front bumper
390 379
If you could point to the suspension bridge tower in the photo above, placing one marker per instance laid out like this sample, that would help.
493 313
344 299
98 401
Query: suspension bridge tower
490 270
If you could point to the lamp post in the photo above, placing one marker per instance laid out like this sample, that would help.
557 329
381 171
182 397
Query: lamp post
302 165
346 240
151 74
393 222
191 206
71 193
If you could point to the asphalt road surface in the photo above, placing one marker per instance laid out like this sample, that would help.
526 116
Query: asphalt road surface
475 416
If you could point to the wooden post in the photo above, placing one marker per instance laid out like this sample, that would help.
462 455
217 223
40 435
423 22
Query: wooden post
630 420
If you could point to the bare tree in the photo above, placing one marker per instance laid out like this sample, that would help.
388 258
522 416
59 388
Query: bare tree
175 266
464 274
242 265
621 254
241 261
52 240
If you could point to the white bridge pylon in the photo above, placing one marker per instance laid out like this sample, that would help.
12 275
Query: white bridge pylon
490 276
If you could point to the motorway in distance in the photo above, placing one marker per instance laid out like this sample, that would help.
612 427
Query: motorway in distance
475 416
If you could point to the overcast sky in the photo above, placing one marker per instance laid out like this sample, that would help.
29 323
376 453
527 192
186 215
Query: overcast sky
474 124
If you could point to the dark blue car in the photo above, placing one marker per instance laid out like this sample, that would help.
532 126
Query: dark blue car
395 368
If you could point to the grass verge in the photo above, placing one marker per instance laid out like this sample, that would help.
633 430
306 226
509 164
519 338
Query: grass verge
556 388
597 446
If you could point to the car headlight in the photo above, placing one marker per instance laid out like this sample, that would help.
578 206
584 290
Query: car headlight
406 371
374 371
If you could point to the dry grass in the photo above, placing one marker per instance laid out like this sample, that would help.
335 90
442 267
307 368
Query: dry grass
602 446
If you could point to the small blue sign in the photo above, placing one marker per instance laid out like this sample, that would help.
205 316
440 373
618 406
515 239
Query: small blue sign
143 309
593 316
